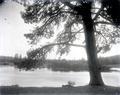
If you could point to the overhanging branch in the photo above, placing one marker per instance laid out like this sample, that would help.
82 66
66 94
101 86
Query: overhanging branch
54 44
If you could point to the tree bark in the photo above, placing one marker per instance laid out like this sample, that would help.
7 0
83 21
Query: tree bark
94 67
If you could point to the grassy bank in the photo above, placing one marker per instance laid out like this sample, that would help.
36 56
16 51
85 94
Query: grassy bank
83 90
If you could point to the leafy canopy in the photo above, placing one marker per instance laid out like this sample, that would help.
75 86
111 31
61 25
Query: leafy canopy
61 21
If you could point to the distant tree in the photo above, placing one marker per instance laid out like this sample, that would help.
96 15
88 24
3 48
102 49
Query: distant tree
77 17
16 55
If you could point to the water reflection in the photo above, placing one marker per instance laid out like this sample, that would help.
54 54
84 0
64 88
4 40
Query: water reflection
46 78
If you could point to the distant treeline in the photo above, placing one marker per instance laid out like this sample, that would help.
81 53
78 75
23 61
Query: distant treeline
66 65
60 65
81 65
6 60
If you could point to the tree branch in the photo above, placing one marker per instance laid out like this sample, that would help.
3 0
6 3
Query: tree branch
76 8
105 18
99 50
103 22
54 44
23 3
98 13
49 20
101 35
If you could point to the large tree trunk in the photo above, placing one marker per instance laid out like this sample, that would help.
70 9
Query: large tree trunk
94 69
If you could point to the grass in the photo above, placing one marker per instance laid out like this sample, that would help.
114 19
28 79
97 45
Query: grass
82 90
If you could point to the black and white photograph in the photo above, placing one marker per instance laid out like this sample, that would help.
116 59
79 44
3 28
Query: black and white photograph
59 47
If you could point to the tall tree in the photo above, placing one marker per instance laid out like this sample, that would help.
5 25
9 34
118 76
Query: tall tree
76 16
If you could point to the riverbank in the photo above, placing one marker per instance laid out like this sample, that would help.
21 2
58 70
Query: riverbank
82 90
62 65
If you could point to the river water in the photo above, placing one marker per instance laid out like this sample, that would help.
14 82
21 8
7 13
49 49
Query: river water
47 78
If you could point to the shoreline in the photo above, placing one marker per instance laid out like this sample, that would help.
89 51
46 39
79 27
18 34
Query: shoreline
4 90
103 69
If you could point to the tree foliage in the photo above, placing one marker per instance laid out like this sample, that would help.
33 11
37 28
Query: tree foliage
26 63
111 11
62 22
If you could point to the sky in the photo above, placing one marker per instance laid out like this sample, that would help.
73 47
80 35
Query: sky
13 28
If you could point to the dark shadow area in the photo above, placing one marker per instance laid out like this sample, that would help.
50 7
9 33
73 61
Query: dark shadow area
82 90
